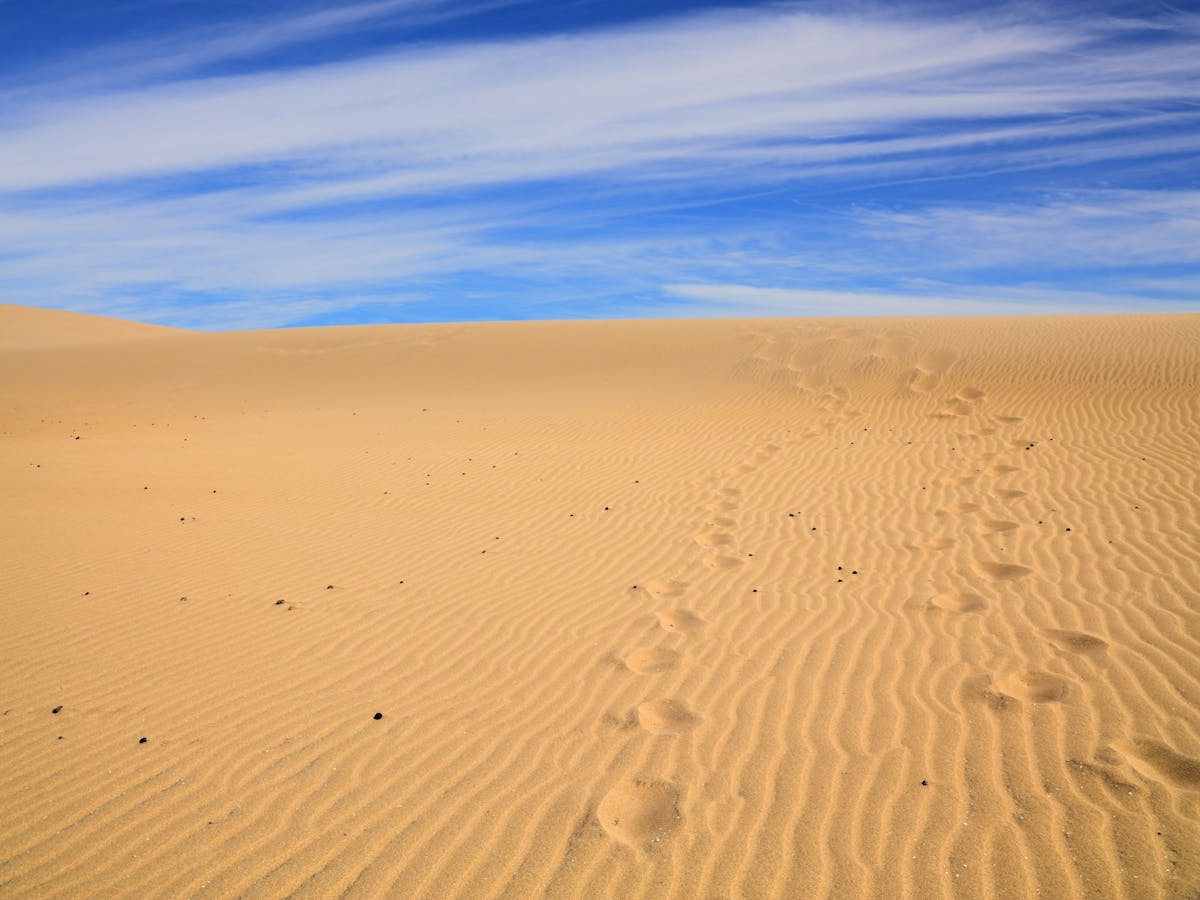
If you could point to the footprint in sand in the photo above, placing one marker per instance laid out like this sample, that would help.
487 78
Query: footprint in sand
665 717
1035 687
1073 641
640 813
1009 494
959 508
930 368
1155 759
955 406
714 539
1001 469
1010 420
971 394
679 620
999 571
649 660
721 522
723 562
980 689
959 603
995 526
666 590
893 345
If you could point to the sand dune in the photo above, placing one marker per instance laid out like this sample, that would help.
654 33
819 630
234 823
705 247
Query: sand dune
787 608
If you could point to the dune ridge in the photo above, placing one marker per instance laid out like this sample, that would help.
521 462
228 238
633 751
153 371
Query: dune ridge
753 608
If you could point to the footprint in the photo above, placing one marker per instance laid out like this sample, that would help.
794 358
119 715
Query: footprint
680 620
721 522
961 603
1009 494
959 508
1035 687
942 543
937 362
999 571
1073 641
723 562
640 813
714 539
1001 469
1161 760
892 346
922 382
971 393
666 590
956 406
980 689
1010 420
997 525
665 717
648 660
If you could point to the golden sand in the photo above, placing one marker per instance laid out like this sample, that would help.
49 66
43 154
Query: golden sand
787 608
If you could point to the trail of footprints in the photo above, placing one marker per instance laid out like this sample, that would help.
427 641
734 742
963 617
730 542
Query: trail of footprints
641 812
1008 691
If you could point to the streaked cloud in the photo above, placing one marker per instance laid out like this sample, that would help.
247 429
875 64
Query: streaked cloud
593 156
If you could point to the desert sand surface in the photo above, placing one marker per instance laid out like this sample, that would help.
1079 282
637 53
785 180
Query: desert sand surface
715 608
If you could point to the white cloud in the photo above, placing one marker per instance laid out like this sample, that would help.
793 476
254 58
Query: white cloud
110 186
680 91
750 300
1096 229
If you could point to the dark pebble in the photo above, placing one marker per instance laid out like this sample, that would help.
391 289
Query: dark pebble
329 587
56 710
141 740
377 716
924 783
279 602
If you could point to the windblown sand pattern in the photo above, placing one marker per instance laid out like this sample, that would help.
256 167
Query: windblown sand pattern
604 609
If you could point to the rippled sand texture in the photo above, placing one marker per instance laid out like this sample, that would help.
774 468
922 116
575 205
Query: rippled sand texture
792 608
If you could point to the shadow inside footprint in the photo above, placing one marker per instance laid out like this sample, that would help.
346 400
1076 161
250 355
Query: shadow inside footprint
999 571
723 562
1035 687
1073 641
666 590
961 603
996 525
665 717
648 660
680 620
640 813
714 539
1161 760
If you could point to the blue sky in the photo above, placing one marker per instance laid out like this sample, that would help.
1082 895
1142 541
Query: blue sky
225 164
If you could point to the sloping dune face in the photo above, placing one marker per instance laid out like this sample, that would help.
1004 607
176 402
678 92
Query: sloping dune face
788 608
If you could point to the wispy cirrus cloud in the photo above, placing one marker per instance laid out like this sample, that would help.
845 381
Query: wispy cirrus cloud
582 160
